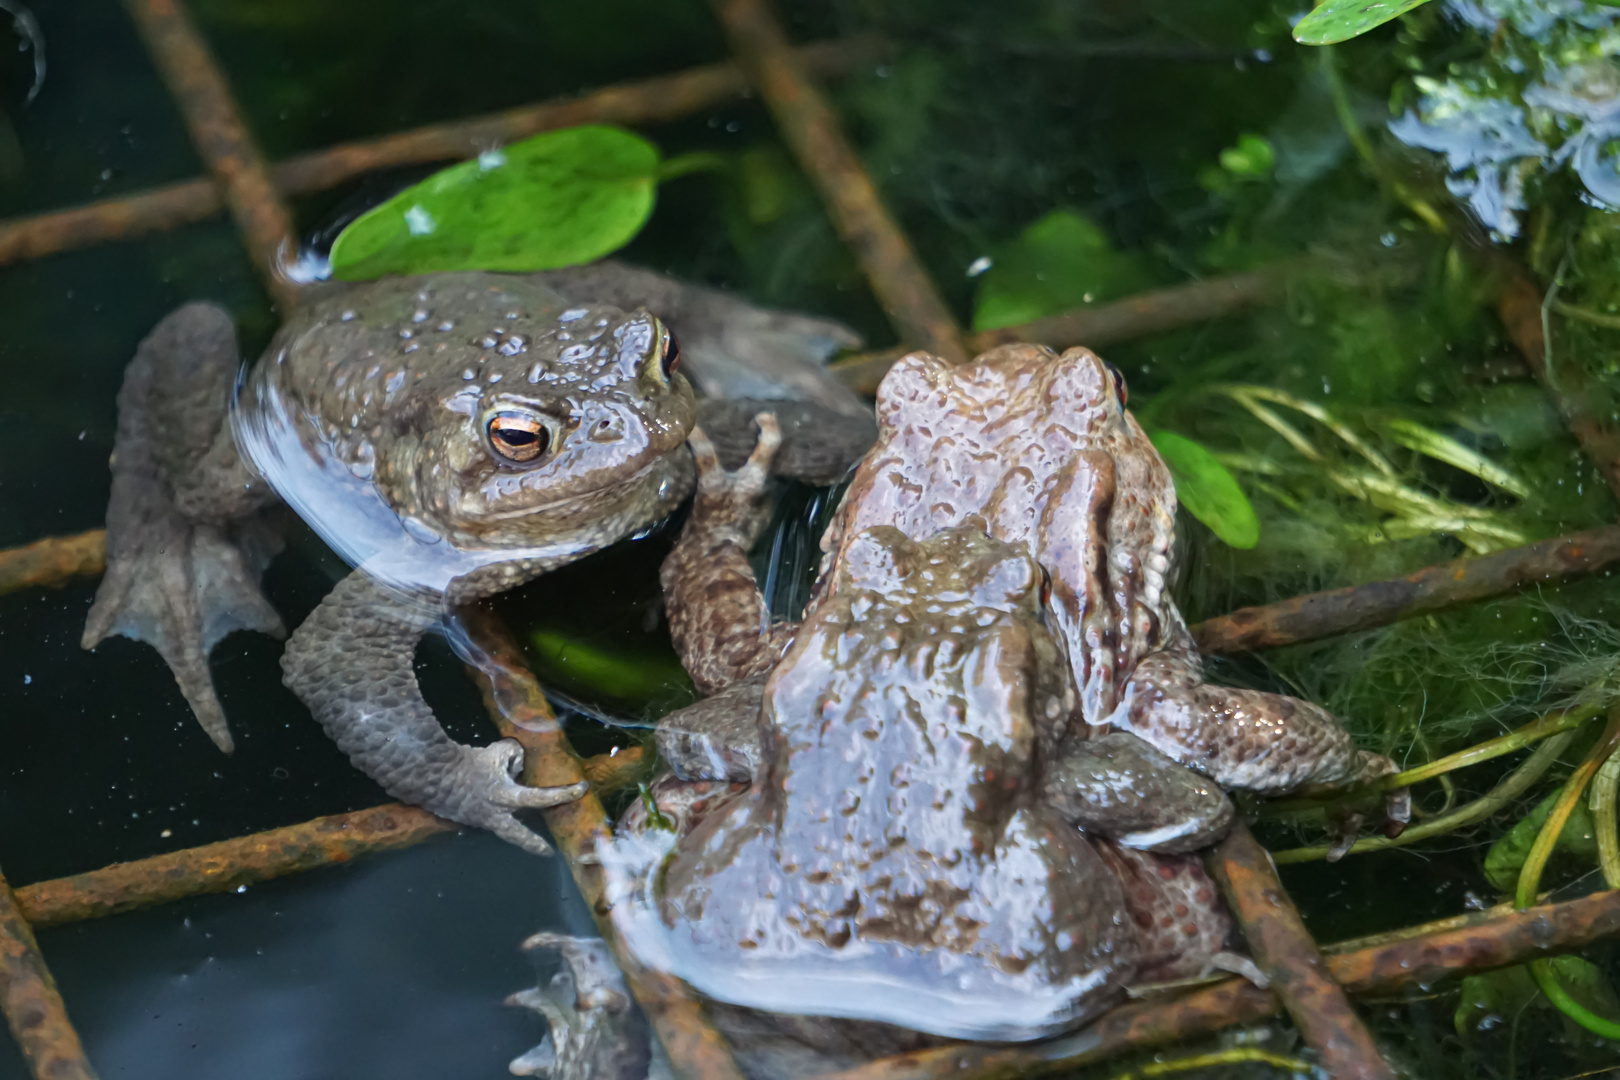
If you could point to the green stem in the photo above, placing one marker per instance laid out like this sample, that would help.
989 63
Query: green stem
1586 315
1358 138
697 161
1547 978
1535 731
1512 786
1495 748
1530 876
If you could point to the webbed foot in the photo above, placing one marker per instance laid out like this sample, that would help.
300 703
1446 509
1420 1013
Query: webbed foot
597 1033
180 587
183 565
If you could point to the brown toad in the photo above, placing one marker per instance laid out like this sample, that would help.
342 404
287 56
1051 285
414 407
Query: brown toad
900 855
450 435
1037 448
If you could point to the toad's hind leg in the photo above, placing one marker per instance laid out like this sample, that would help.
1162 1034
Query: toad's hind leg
351 662
718 619
185 547
1246 739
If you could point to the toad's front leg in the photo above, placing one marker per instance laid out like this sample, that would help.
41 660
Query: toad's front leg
351 662
718 619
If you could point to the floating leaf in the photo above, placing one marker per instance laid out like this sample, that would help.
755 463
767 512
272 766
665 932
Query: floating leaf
1059 262
1507 855
558 199
1340 20
1208 491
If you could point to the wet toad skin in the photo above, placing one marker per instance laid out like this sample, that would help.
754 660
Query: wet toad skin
897 859
911 848
1038 449
451 436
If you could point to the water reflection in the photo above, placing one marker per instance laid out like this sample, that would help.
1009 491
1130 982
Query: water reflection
1546 99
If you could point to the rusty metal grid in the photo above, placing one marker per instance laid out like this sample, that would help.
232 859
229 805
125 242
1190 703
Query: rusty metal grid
1307 983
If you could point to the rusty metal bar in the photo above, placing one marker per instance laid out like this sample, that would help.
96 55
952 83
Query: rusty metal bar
33 1007
811 130
1155 312
1288 955
1379 603
248 860
227 865
643 101
53 562
520 710
221 137
1510 938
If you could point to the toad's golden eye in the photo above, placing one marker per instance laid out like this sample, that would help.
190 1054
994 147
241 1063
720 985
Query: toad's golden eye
518 437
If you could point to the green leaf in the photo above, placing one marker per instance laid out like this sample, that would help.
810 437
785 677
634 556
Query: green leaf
1490 1001
558 199
1507 855
1340 20
1586 983
1059 262
1208 491
582 667
1415 436
1252 156
1487 1002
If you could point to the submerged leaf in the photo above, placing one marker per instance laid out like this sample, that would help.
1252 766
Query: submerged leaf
1208 490
585 667
1340 20
1490 1001
1507 855
558 199
1059 262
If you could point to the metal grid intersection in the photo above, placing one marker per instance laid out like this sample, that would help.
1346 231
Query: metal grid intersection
1308 987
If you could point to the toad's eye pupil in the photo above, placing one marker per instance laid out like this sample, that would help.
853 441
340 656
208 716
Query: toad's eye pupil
672 356
1119 381
518 438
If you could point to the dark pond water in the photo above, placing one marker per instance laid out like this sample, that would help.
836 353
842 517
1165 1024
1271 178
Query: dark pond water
1174 139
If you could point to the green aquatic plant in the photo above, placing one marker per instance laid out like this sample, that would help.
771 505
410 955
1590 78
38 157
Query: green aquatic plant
1546 974
560 198
1208 489
1333 21
1061 261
